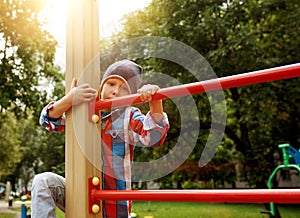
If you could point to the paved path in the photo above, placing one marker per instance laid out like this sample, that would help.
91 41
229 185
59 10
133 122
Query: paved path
5 209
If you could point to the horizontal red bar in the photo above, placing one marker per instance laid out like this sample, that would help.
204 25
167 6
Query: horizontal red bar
256 77
233 196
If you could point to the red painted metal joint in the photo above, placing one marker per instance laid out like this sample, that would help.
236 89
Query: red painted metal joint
94 204
93 112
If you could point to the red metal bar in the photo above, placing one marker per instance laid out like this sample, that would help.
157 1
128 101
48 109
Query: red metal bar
261 76
232 196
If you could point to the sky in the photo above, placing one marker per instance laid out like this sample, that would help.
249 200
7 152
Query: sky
110 13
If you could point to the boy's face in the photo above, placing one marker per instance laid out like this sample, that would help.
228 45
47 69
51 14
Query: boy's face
114 87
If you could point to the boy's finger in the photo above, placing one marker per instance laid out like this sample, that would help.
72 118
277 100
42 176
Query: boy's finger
74 83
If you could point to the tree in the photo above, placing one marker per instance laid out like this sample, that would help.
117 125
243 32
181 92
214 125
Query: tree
10 149
26 55
26 61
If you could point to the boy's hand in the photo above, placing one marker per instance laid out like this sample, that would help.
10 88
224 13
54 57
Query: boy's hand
147 91
81 94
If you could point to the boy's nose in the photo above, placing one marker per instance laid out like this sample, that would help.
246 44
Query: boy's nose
116 91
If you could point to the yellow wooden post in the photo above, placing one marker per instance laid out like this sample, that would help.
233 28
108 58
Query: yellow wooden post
82 138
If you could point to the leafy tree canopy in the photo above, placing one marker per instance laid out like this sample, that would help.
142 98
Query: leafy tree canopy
27 70
26 55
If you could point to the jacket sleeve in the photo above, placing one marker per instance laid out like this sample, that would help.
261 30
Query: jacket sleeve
145 131
49 123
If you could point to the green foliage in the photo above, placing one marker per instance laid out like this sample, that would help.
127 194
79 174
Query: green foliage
51 155
10 137
26 55
26 62
194 185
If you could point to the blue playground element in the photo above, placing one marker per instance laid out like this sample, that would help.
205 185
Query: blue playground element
294 153
23 202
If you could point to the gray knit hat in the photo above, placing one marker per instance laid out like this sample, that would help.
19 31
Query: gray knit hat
128 71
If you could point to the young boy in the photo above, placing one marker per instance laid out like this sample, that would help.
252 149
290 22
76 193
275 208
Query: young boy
121 129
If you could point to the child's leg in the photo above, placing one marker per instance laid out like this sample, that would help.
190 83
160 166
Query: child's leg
47 192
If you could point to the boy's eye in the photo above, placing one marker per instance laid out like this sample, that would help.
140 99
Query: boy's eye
125 89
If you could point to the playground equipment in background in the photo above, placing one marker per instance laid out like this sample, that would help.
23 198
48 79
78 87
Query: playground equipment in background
24 202
291 160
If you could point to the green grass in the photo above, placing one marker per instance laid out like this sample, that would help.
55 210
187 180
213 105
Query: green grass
290 211
199 210
207 210
59 213
7 215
